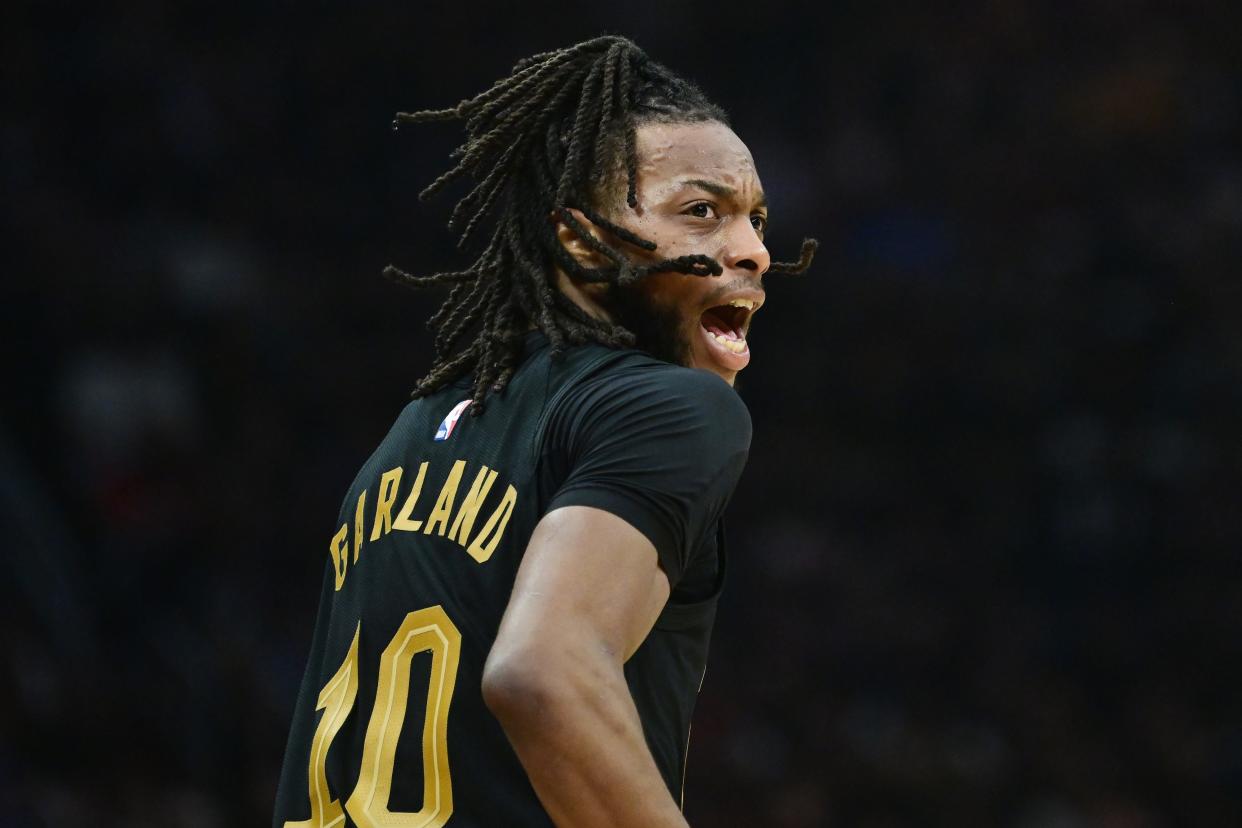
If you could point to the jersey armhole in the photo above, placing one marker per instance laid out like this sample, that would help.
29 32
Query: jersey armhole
680 615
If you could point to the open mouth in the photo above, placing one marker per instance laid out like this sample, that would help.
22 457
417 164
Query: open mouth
724 327
728 323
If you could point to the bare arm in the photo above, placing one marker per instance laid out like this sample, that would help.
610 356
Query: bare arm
587 594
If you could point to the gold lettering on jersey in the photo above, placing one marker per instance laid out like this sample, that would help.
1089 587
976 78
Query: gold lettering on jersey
469 509
383 503
362 504
338 550
443 509
403 522
449 518
486 541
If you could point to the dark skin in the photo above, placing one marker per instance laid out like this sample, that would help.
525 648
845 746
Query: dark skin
590 586
698 192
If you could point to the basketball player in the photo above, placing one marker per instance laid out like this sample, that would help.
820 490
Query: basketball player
523 577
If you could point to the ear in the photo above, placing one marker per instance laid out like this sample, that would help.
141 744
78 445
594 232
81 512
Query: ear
570 239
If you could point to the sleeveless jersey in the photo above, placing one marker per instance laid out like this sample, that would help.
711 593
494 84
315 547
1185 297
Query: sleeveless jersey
390 727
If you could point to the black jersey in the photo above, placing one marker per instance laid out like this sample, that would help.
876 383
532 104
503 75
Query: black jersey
390 727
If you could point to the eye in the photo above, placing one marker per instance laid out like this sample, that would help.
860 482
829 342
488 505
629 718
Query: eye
759 222
701 209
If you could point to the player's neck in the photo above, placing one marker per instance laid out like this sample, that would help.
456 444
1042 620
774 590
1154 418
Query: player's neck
583 294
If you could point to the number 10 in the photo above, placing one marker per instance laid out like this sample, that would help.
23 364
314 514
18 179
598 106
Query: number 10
426 629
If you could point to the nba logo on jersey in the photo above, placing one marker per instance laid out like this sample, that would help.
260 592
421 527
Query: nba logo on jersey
450 422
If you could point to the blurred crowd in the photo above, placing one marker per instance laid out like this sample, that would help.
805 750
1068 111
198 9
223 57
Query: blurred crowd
985 562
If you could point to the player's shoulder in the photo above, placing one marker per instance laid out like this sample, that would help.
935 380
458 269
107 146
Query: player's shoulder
643 377
635 387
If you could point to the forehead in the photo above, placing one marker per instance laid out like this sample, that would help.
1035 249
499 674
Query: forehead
668 153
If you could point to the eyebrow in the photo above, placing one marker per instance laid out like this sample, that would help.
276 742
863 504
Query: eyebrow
718 189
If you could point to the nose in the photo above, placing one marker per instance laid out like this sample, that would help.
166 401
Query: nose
745 250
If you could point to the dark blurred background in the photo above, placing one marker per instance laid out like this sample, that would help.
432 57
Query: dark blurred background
987 545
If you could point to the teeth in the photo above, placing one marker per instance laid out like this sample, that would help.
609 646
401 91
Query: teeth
737 346
742 303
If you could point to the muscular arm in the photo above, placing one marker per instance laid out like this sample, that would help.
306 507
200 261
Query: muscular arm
587 593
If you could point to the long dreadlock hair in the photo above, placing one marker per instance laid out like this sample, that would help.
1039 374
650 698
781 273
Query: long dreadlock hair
539 142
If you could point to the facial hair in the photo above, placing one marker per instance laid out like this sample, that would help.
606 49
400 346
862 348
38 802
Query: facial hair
658 329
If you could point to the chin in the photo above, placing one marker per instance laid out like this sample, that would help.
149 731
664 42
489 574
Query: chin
704 362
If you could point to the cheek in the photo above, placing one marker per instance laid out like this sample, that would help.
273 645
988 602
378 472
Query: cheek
672 238
676 291
666 243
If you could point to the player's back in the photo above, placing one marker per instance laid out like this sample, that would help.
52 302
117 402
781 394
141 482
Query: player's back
390 726
413 595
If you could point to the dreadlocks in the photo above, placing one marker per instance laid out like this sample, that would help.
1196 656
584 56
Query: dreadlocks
553 135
